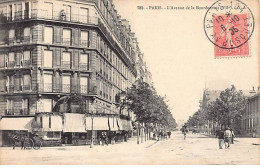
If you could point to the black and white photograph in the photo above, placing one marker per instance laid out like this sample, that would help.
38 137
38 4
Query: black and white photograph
129 82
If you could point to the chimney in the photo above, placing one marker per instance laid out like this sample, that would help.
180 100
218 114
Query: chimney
252 92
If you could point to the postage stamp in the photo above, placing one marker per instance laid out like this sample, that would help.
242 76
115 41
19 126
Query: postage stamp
229 24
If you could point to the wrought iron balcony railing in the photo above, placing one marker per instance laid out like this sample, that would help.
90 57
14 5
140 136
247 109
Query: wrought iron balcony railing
84 43
47 87
66 88
83 66
83 89
66 64
26 87
66 41
26 63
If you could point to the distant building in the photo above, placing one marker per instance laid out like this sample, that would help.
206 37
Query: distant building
250 118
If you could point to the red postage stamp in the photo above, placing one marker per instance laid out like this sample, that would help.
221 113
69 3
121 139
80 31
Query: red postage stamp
230 32
229 24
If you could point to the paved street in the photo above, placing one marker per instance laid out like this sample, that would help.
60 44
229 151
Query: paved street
196 149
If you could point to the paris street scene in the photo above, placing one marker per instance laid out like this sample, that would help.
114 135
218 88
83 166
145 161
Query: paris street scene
140 82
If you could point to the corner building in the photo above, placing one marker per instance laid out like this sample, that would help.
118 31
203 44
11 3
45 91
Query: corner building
61 65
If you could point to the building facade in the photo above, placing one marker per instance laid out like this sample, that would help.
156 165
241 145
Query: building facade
250 118
61 65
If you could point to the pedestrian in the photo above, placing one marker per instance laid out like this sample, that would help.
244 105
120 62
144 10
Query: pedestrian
232 136
169 134
12 138
227 136
22 142
220 135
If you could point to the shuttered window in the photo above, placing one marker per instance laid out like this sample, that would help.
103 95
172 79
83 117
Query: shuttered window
66 83
47 80
66 59
84 61
84 38
11 33
66 37
48 35
83 15
83 84
47 62
26 82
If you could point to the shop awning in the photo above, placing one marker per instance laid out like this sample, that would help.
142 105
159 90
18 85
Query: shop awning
51 122
99 123
21 123
113 124
74 122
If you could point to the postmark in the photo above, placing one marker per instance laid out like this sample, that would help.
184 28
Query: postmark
229 24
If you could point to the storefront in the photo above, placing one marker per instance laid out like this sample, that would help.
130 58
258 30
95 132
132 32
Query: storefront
14 125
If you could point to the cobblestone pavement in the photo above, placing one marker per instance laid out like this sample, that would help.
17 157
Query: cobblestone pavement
196 149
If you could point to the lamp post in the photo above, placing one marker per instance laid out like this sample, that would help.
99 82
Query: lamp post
92 124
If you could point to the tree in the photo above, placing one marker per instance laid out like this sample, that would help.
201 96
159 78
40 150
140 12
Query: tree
147 105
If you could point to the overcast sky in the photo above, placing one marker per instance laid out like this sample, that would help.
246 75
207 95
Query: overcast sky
179 55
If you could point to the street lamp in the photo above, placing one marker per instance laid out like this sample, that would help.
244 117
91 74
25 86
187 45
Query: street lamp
92 124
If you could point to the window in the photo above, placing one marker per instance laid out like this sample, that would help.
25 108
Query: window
26 11
26 34
66 83
84 61
18 12
84 38
66 60
48 10
100 87
10 107
26 59
83 15
11 62
48 35
10 14
83 84
45 105
66 36
47 79
67 10
25 106
26 82
47 62
11 35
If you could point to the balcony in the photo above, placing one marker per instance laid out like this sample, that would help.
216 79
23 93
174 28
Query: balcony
66 64
18 15
47 87
10 88
66 41
9 112
26 39
83 66
48 15
66 88
83 89
26 87
84 43
26 63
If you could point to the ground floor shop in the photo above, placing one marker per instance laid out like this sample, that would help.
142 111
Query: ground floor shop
67 129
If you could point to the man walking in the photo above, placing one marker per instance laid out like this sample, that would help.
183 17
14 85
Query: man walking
220 135
227 135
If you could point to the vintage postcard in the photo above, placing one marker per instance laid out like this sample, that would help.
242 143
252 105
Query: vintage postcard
129 82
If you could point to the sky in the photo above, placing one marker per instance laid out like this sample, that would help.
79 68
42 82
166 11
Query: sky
179 55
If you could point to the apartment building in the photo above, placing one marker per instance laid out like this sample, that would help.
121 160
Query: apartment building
61 65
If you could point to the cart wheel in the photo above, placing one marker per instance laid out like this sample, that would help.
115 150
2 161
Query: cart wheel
37 145
28 143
